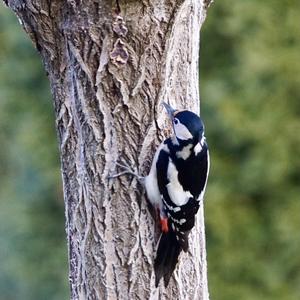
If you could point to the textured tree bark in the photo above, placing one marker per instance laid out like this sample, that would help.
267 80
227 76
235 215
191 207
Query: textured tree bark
110 66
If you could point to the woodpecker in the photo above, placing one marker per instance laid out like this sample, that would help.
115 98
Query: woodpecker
176 185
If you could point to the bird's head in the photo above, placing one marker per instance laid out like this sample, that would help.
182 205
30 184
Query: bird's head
187 125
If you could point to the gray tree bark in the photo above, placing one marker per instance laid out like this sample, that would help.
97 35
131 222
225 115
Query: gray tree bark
110 66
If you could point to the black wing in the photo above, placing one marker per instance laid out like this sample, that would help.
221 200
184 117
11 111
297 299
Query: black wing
193 172
192 175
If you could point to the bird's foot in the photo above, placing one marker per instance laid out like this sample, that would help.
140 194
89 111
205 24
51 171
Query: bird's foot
127 170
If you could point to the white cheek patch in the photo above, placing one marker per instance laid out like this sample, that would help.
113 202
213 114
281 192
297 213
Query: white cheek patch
182 132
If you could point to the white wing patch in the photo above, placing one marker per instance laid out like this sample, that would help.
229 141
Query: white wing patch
185 152
177 195
173 208
180 222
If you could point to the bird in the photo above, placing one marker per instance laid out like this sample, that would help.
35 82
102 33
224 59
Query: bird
175 186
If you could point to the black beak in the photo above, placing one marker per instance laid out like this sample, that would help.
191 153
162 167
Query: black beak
170 110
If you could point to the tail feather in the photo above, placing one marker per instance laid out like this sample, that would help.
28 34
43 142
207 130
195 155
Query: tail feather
166 257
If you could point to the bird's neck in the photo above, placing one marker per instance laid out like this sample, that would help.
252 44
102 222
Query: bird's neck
178 144
190 145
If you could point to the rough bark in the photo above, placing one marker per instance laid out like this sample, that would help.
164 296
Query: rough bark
110 66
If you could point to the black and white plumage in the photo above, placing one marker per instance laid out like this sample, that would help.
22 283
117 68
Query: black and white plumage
176 185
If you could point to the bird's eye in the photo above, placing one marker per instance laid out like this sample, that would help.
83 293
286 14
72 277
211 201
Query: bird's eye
176 121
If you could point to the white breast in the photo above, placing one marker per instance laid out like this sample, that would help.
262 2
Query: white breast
151 183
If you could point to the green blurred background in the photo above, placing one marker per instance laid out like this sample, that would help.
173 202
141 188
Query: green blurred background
250 90
33 252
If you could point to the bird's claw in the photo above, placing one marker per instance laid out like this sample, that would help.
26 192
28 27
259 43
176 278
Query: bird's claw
127 170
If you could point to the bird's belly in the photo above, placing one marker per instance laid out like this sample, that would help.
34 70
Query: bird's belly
152 189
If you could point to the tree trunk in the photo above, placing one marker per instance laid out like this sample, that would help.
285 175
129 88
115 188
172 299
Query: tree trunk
110 66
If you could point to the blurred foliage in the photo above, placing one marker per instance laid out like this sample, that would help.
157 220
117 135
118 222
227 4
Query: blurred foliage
250 91
250 87
33 252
